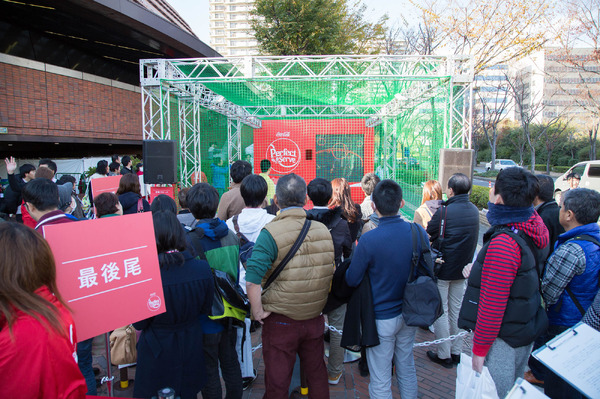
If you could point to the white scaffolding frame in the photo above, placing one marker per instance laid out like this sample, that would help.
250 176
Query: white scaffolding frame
186 80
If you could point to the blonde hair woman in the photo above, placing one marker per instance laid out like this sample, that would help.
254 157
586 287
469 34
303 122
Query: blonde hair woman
430 202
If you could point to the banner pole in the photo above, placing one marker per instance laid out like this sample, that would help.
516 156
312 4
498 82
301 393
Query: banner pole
109 377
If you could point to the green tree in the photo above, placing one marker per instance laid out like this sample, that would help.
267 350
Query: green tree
315 27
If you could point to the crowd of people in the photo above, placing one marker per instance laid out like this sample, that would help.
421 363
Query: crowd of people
298 265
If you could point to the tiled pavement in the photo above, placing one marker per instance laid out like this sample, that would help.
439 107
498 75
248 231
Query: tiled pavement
435 381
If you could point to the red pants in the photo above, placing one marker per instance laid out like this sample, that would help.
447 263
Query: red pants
282 338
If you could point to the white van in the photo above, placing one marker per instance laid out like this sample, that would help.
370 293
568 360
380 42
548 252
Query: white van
590 177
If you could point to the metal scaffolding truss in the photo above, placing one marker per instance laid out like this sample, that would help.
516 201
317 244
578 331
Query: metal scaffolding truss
305 67
406 83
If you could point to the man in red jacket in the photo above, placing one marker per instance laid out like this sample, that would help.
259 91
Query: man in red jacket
502 303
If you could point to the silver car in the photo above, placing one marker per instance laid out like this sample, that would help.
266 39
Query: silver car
501 164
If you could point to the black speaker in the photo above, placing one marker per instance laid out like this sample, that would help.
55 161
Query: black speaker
159 162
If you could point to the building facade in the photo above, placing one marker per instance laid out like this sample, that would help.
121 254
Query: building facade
561 84
69 73
230 30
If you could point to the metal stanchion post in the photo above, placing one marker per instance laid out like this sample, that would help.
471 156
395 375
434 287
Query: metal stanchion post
109 377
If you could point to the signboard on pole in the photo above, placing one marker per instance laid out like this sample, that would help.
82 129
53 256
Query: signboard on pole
107 271
108 184
156 191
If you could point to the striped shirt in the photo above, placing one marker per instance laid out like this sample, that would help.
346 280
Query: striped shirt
502 261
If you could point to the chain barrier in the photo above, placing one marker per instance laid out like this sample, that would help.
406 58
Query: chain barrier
420 344
439 341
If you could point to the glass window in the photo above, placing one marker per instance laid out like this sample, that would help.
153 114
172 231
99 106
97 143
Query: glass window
579 169
594 171
338 159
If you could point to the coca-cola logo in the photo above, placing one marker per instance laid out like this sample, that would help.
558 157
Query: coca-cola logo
154 302
284 155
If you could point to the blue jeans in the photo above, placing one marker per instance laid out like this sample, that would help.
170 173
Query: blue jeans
84 360
396 342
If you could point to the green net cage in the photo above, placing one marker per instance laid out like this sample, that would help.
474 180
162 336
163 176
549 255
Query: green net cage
316 116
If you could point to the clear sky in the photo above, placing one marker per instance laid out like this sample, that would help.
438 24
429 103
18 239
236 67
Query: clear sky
195 13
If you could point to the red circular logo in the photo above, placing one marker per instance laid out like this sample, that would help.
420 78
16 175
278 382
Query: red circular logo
284 155
154 302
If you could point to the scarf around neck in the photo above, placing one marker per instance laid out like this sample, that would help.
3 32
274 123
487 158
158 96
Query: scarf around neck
503 214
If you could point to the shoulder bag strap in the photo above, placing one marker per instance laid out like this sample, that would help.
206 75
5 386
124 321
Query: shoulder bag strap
442 225
583 237
417 250
415 253
236 226
575 301
289 255
586 237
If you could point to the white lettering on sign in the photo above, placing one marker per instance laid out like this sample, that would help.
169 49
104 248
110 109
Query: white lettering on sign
87 277
110 272
284 155
282 134
132 266
104 380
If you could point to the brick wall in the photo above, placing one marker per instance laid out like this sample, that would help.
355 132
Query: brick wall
39 103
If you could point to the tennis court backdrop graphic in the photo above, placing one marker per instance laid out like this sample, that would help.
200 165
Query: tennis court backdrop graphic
316 116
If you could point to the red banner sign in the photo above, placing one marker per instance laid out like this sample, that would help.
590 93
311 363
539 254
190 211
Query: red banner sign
317 148
107 271
156 191
108 184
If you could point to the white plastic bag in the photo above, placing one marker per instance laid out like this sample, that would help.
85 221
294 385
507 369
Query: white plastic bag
472 385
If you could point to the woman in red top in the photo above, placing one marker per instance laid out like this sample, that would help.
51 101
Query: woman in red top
37 333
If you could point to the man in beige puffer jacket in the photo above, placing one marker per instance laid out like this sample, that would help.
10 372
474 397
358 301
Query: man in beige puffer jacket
290 308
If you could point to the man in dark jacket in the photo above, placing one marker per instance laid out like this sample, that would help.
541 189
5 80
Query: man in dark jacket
319 191
127 165
454 230
548 210
210 238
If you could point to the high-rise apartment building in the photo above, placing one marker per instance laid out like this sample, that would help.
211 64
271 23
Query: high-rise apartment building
560 83
230 30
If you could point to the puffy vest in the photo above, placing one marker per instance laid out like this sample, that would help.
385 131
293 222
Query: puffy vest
585 286
301 289
524 318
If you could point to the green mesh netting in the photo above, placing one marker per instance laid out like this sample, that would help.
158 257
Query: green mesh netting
317 121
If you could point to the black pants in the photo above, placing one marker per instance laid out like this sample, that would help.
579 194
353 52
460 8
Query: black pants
219 348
